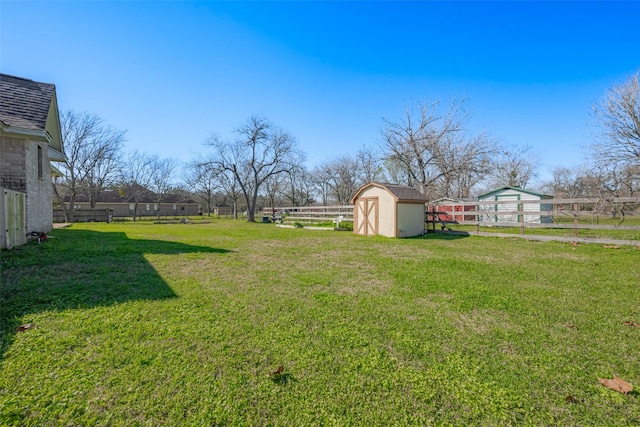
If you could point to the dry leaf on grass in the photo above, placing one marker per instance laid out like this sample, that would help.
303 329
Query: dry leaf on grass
634 324
575 244
278 371
571 399
611 247
26 327
616 384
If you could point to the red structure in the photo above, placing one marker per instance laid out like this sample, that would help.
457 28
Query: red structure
447 210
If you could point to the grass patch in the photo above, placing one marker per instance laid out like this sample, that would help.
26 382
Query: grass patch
167 324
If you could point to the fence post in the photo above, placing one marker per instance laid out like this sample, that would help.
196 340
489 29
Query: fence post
576 211
521 209
477 219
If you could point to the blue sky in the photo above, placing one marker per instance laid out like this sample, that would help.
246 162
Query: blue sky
170 73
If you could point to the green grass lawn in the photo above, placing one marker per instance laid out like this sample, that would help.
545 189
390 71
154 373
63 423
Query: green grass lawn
184 324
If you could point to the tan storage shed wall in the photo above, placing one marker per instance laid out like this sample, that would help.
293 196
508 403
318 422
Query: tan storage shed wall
386 210
410 219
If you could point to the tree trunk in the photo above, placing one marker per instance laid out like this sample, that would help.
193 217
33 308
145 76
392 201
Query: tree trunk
70 217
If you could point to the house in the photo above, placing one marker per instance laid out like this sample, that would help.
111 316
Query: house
510 201
145 204
30 139
388 210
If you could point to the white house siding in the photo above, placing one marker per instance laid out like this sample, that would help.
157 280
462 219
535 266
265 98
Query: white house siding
410 219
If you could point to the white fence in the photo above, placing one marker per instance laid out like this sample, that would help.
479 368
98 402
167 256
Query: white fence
308 214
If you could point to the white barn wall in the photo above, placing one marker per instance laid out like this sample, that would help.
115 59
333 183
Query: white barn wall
493 215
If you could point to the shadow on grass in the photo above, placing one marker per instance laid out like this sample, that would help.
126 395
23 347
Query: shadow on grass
80 269
443 235
282 379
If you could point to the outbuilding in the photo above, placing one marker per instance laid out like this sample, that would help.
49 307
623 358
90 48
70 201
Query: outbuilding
388 210
512 201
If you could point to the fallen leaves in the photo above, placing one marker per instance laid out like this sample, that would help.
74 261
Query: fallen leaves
633 324
611 247
26 327
278 371
616 384
571 399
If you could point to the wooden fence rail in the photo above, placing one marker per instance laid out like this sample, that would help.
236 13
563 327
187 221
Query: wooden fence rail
308 214
576 214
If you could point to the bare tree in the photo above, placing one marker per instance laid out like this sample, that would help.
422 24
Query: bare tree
513 166
229 183
273 186
395 172
567 183
93 154
369 165
618 116
260 151
320 182
341 178
135 178
468 161
160 177
203 183
430 148
299 187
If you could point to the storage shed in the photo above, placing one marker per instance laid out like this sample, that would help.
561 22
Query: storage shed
508 212
388 210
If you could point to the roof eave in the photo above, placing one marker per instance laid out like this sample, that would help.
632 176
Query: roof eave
38 134
56 156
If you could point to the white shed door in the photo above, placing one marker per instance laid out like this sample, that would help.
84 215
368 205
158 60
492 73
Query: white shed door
507 207
367 217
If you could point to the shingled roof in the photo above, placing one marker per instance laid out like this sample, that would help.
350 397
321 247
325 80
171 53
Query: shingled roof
401 193
24 103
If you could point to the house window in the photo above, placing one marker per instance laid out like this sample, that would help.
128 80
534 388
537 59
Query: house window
40 162
148 207
132 206
181 208
155 207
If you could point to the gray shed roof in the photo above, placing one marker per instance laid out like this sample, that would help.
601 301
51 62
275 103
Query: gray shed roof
401 193
24 103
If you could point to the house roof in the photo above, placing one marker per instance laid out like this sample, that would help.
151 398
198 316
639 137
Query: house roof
24 103
507 187
401 193
30 106
119 196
